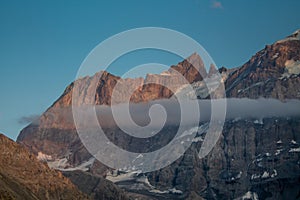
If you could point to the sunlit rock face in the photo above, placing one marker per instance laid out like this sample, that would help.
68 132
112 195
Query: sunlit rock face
272 72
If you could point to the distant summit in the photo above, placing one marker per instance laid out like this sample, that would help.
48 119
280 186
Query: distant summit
296 34
293 36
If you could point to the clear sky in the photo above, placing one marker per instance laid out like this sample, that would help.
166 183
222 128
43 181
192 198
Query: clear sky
43 43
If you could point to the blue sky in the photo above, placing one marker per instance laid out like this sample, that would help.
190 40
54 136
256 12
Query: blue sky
43 43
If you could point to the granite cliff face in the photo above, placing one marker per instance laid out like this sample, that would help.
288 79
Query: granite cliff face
254 158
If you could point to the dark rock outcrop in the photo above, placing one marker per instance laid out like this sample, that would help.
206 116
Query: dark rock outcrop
97 187
22 176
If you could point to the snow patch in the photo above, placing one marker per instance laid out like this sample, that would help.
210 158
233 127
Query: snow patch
43 157
144 179
236 119
175 191
293 142
138 157
294 150
169 191
165 73
292 67
239 175
258 121
63 165
251 86
278 151
59 163
275 56
201 89
82 167
279 142
255 176
189 132
265 175
274 174
268 154
249 196
259 62
114 177
197 139
159 191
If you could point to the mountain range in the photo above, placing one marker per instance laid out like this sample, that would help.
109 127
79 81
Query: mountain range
253 158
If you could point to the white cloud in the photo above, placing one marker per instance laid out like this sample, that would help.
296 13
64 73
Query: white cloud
236 109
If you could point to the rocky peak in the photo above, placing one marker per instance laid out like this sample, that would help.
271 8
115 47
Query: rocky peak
212 70
104 82
265 72
191 67
295 35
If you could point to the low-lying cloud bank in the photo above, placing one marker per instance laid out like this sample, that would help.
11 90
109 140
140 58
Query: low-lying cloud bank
155 113
261 108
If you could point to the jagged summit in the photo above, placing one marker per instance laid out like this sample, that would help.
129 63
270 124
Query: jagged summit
194 57
294 36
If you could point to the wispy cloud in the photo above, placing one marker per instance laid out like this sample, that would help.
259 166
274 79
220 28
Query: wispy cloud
28 119
216 4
